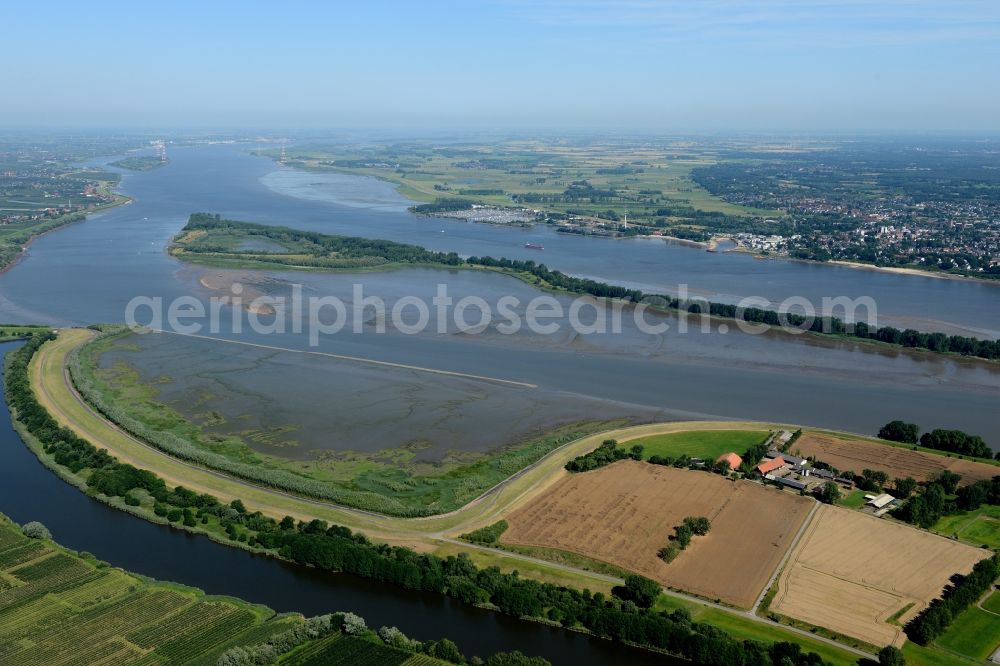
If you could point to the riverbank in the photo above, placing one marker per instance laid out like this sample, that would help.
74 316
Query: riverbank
898 270
209 239
255 537
109 615
15 243
414 526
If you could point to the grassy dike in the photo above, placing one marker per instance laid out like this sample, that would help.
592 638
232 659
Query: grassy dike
422 534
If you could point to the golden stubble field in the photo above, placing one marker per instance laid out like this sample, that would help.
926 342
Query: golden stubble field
623 513
897 462
851 572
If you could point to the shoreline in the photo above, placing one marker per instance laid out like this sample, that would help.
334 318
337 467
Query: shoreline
711 245
27 244
901 270
858 265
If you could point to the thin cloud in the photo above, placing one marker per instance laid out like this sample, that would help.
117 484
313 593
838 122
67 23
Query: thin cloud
787 22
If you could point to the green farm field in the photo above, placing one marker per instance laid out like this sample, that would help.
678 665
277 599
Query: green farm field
975 634
992 602
341 650
708 444
748 629
978 528
57 607
853 500
646 176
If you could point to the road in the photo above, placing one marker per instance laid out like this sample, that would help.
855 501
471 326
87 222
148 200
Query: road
784 559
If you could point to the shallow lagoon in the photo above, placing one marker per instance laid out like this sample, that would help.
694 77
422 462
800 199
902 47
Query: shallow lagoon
300 406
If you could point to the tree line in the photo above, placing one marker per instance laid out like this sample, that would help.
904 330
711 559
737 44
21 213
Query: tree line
935 619
354 247
605 454
937 342
337 548
952 441
942 497
609 452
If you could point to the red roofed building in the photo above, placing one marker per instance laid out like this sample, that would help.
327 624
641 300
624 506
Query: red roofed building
769 466
734 460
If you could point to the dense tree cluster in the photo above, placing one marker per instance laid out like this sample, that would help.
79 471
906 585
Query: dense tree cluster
753 455
942 496
956 441
681 538
605 454
899 431
36 530
443 206
989 349
872 480
488 535
829 493
934 619
342 246
640 590
337 548
953 441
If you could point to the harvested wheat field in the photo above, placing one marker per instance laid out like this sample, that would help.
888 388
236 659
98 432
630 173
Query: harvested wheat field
857 455
851 572
623 513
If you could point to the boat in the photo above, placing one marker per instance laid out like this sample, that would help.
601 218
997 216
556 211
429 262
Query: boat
534 246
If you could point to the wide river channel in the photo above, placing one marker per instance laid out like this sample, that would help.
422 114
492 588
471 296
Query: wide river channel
88 272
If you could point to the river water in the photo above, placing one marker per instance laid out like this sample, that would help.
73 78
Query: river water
88 272
29 491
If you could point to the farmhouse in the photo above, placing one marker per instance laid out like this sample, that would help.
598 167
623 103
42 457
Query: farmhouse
772 465
793 461
734 460
880 501
880 505
791 481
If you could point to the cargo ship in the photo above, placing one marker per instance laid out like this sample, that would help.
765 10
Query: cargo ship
534 246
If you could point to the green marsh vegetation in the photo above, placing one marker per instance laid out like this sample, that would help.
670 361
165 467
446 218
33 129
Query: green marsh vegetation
394 481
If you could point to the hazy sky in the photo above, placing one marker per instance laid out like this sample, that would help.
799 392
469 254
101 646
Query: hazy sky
504 64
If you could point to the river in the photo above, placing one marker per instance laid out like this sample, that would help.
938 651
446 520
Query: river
29 491
89 271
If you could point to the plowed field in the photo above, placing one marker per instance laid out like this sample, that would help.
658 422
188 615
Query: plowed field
623 513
